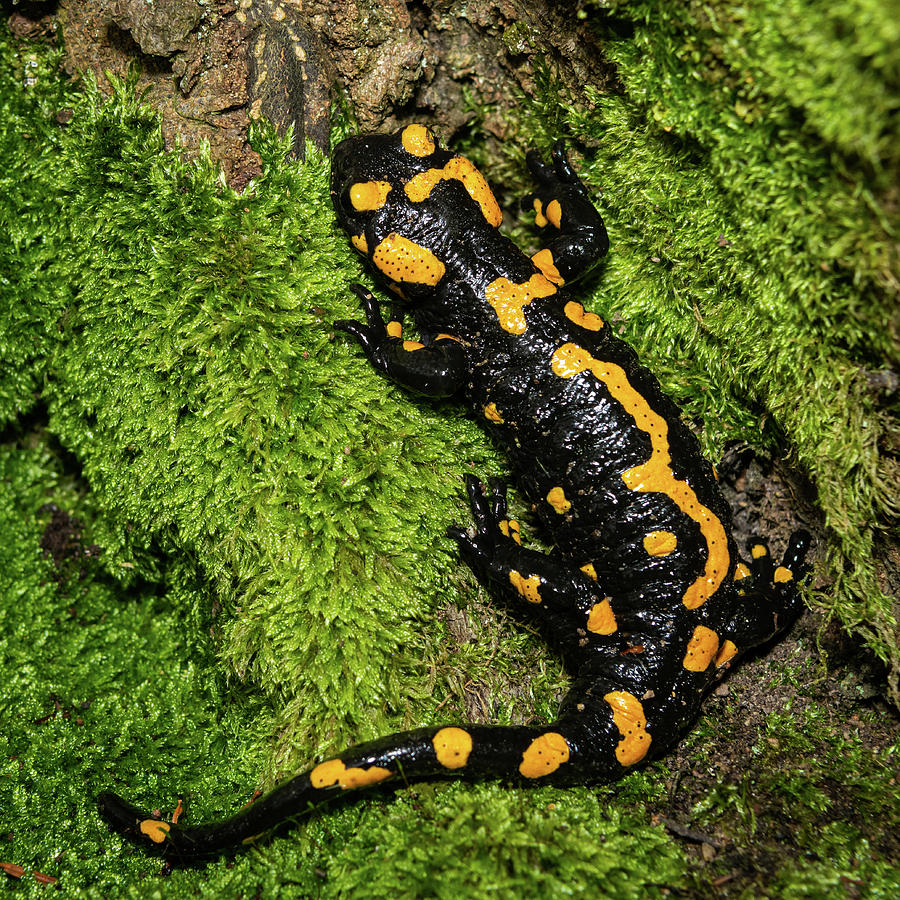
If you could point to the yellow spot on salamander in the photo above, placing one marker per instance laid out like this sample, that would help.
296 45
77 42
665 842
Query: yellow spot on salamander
491 412
155 830
554 213
543 259
359 241
334 772
327 773
782 575
508 298
660 543
369 195
575 312
628 716
417 140
400 259
409 346
557 499
394 329
656 474
758 551
539 218
545 754
741 572
701 649
459 169
601 619
511 528
726 653
452 747
527 587
590 571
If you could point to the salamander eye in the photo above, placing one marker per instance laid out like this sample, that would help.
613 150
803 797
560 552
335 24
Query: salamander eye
345 201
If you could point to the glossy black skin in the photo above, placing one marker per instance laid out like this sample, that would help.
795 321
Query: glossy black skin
558 432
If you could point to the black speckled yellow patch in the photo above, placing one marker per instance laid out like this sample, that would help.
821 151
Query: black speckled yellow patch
452 747
544 755
405 261
509 299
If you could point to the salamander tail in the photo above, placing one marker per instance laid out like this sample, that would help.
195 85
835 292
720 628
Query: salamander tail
549 754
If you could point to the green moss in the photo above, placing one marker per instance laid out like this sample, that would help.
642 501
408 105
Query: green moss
31 96
195 383
105 686
452 843
95 681
272 514
831 806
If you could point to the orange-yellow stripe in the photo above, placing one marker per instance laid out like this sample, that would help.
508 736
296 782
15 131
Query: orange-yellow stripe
491 412
656 474
401 259
334 771
529 588
545 754
726 653
601 619
628 716
543 259
554 213
575 312
155 830
459 169
417 140
369 195
452 747
701 649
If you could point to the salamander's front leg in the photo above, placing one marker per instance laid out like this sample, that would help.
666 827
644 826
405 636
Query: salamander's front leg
436 370
562 201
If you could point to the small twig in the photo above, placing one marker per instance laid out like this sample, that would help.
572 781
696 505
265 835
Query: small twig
18 871
689 834
676 783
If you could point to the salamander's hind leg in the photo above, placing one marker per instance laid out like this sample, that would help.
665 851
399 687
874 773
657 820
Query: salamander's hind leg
564 600
769 599
561 201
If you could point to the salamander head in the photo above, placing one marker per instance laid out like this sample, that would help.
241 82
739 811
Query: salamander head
369 173
411 207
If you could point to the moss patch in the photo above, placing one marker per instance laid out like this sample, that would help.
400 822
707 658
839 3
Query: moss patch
271 515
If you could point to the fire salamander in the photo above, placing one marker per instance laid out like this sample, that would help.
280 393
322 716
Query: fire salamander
646 599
